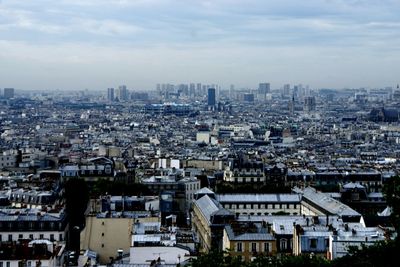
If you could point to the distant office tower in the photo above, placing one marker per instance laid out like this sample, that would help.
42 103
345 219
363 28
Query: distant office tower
264 88
122 93
296 91
8 93
231 91
309 103
192 90
248 97
211 97
291 105
110 94
286 90
183 89
198 89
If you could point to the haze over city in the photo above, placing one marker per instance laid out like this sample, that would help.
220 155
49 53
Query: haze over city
95 44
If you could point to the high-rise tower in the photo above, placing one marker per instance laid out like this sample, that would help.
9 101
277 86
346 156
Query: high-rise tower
211 97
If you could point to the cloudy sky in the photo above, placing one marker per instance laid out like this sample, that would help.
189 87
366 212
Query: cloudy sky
95 44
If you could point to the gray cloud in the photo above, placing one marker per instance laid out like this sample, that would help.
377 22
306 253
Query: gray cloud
96 43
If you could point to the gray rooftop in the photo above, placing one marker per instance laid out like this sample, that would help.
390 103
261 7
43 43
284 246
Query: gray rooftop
255 198
327 203
207 206
248 236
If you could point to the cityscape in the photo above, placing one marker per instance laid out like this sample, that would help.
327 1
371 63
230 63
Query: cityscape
225 133
158 178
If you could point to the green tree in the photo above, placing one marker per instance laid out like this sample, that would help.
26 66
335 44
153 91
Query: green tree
76 201
392 195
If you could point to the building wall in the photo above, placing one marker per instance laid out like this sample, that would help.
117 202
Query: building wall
14 236
320 244
29 262
8 161
307 209
243 176
106 236
191 187
202 229
203 137
208 165
262 208
247 252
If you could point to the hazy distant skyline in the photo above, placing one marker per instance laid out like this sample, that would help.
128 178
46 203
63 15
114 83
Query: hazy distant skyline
95 44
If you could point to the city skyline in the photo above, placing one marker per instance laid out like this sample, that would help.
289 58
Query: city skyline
73 45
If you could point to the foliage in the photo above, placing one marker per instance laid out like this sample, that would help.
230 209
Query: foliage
217 259
76 198
328 188
392 195
381 254
103 187
76 202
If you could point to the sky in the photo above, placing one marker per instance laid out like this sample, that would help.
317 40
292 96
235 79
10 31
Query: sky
95 44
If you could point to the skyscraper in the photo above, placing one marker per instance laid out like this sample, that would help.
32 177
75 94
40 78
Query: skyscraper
192 90
264 88
122 93
286 90
211 97
8 93
309 104
198 89
110 94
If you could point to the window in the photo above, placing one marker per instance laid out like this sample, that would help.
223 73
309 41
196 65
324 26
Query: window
102 234
239 247
1 264
20 236
31 236
283 244
7 264
102 245
267 247
51 237
60 237
1 238
41 236
253 247
10 238
313 243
